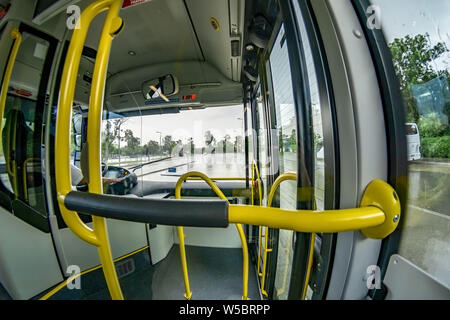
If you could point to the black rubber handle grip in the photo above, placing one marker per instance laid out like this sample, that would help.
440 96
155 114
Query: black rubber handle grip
190 213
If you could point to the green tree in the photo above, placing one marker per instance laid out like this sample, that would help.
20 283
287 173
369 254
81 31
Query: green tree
108 140
133 142
413 57
168 143
153 147
117 131
293 141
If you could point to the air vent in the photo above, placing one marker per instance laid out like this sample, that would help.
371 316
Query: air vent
125 267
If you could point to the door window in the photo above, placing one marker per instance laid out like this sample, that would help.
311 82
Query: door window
419 43
22 127
286 125
261 130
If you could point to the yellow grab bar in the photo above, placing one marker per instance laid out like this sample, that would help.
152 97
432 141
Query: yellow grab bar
181 235
97 236
258 177
309 221
277 182
219 178
260 236
17 37
283 177
309 265
377 217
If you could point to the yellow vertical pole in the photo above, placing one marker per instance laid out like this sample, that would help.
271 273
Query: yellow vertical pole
17 37
309 266
12 169
277 182
188 292
259 251
266 250
98 236
112 25
239 228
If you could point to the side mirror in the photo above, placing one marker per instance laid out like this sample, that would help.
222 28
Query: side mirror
161 87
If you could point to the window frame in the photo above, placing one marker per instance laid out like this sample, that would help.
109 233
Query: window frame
299 73
41 220
394 114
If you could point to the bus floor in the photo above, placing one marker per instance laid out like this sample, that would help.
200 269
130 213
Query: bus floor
3 294
214 274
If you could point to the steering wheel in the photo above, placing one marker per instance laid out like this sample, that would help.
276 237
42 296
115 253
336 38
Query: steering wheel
104 169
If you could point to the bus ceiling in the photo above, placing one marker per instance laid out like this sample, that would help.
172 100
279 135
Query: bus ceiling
212 47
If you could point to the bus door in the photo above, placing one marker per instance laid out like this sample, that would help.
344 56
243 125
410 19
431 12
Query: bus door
297 263
26 246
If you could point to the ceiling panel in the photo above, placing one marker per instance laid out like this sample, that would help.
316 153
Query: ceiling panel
157 31
216 44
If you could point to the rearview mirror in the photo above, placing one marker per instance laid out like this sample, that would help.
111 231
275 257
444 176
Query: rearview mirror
161 87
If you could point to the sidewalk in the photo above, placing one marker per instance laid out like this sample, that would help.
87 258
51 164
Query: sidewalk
445 162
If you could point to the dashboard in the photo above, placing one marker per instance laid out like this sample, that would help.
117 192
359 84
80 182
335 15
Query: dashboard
124 180
128 180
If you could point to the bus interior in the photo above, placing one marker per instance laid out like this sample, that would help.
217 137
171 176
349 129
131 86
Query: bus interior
201 149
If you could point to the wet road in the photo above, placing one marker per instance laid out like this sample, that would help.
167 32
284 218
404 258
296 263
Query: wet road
425 226
215 165
429 186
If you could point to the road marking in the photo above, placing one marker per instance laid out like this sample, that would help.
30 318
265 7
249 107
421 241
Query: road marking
429 211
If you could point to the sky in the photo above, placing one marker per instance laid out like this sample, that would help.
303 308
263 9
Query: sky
402 17
191 123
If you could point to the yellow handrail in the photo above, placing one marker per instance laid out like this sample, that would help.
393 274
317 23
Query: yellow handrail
377 217
260 234
258 177
219 178
329 221
277 182
283 177
97 236
17 37
181 235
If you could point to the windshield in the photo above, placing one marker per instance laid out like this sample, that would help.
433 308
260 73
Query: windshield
165 146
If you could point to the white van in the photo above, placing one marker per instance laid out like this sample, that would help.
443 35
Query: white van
413 141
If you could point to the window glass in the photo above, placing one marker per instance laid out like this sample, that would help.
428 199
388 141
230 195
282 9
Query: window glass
264 162
162 147
250 136
419 42
22 125
319 152
286 130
